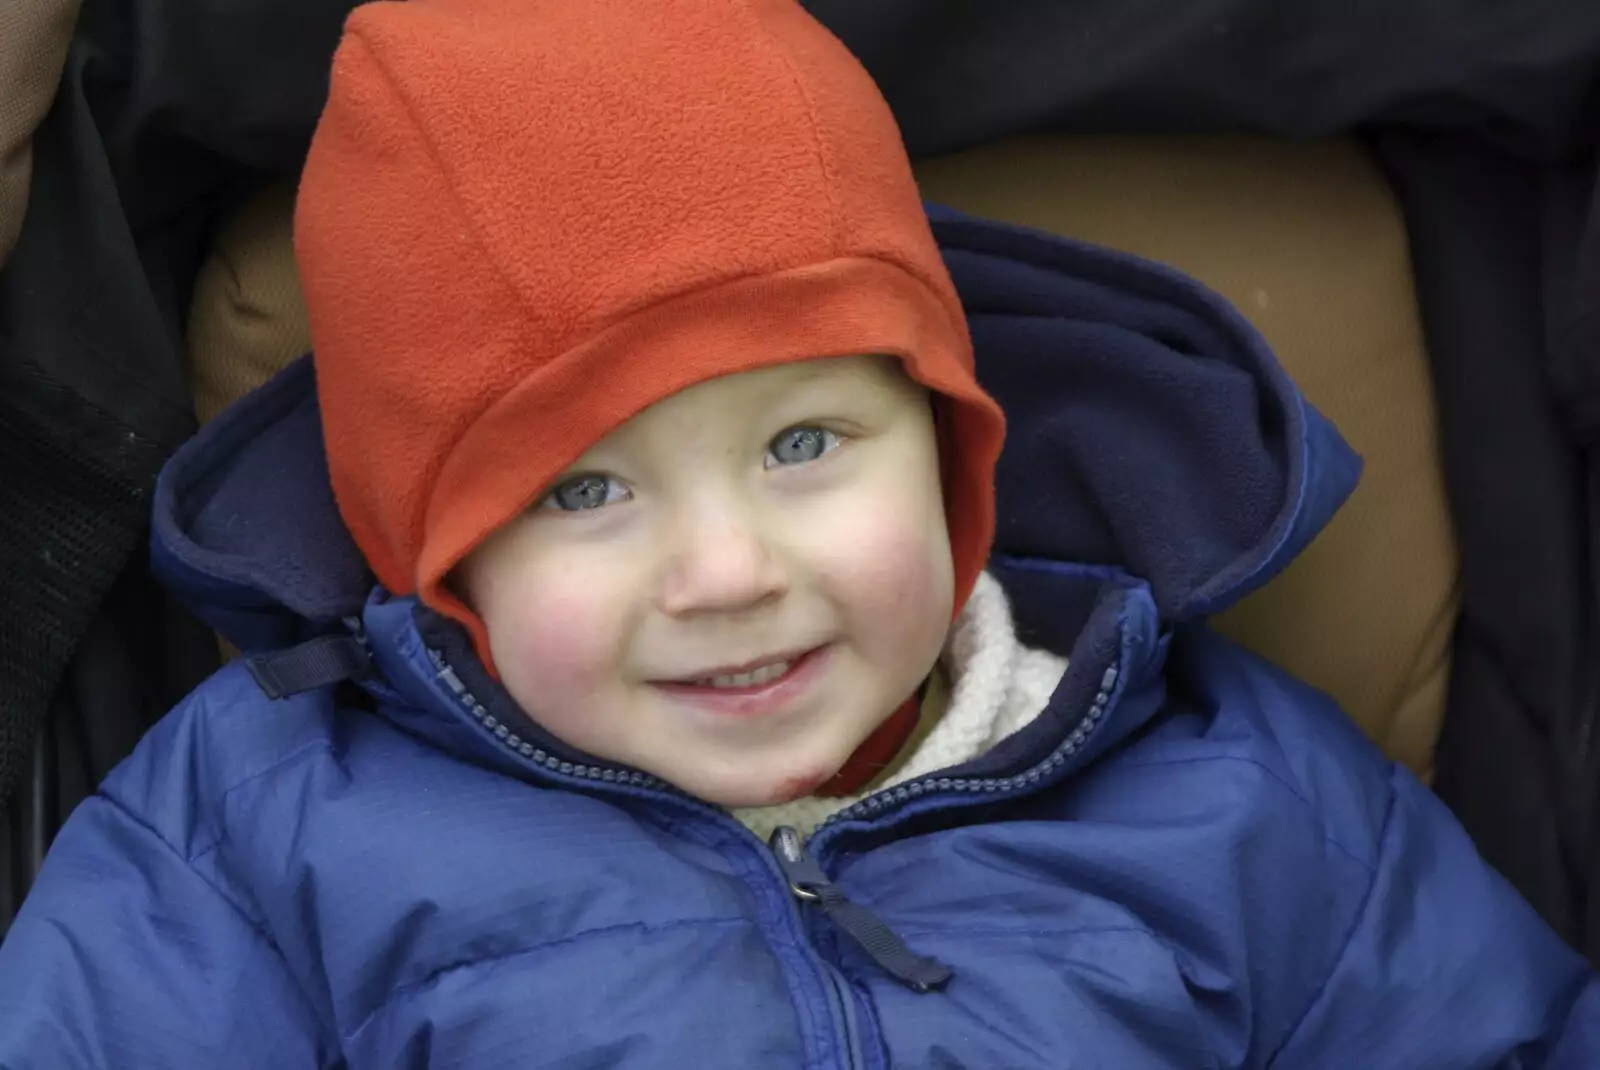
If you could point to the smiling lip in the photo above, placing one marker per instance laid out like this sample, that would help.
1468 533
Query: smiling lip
763 694
745 668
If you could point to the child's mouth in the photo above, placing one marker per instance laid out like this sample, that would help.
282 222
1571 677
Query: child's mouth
748 690
757 677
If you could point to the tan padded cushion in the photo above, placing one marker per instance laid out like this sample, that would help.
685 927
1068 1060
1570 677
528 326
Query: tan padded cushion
1308 242
33 46
1305 239
247 319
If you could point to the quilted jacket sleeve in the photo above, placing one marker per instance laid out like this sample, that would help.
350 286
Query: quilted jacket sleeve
125 956
1446 966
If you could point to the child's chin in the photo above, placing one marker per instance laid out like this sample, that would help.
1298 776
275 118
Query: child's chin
791 788
786 790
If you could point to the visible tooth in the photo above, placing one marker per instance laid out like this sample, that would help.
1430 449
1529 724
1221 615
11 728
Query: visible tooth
771 672
765 674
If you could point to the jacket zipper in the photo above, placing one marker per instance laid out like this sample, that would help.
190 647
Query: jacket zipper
507 737
810 885
805 877
880 802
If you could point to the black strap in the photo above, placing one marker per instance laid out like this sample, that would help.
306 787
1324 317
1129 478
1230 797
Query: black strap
808 882
329 660
917 972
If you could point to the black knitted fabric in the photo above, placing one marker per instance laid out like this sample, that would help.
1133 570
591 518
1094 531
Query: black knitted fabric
74 495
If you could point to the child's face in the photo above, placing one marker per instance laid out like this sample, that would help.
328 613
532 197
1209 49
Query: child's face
790 516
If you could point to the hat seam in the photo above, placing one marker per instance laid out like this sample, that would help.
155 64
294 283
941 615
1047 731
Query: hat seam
808 106
436 157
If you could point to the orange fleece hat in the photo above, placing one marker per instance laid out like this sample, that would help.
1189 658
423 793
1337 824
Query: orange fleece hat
524 221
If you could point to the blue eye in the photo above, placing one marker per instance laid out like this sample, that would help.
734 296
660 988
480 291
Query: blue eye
583 493
798 445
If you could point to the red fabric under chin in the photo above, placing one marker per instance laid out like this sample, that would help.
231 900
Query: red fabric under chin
876 752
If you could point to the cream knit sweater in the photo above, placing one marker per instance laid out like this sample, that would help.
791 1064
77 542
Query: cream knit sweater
997 686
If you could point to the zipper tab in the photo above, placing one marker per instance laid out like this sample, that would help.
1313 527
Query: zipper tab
809 884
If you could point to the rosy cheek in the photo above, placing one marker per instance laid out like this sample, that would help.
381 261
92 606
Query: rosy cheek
900 570
561 647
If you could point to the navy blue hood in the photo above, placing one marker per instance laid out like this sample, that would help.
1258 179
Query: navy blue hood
1151 434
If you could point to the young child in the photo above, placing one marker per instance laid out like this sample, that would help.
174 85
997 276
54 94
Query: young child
637 673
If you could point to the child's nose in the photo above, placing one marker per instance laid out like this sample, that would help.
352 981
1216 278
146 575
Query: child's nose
722 565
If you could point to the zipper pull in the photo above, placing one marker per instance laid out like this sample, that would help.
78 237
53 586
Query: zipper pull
811 885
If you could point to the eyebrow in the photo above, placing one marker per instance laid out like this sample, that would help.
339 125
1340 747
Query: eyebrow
822 368
813 368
